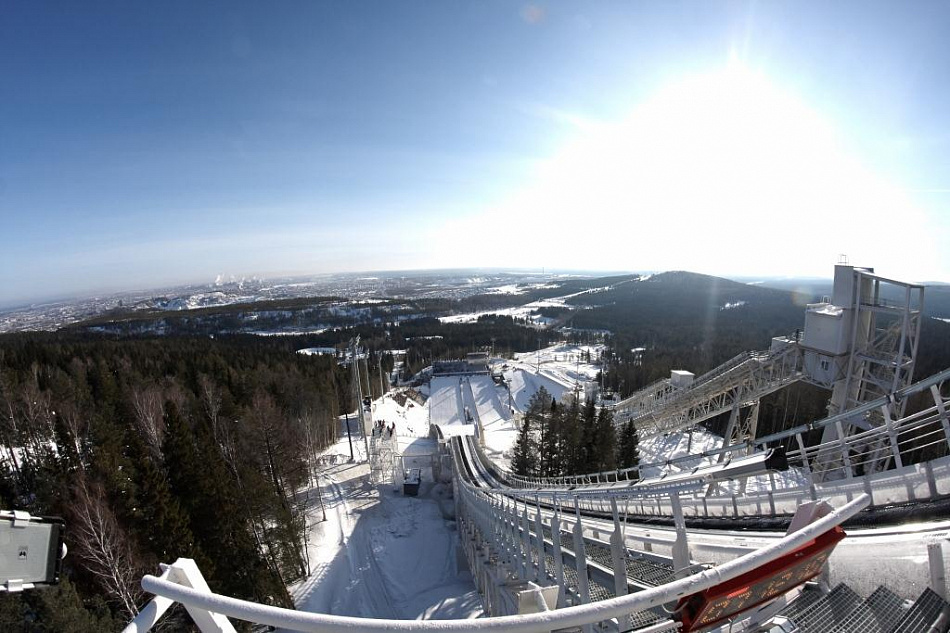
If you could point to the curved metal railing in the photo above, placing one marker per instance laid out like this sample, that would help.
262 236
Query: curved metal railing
206 604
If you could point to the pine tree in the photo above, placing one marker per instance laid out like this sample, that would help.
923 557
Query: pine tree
550 454
220 521
539 415
572 439
587 459
524 460
60 608
627 454
606 441
159 517
13 614
104 547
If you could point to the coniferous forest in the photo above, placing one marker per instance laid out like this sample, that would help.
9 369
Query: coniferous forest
568 438
153 449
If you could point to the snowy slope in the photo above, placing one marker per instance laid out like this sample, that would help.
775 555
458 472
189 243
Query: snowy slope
452 395
485 394
672 445
383 555
445 402
411 420
525 383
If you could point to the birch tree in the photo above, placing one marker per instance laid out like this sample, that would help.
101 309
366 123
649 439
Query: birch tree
104 548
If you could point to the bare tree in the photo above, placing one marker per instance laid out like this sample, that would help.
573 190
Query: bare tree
150 417
9 431
174 393
211 401
269 428
36 411
103 546
76 426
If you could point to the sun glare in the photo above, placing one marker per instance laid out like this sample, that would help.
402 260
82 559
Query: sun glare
712 173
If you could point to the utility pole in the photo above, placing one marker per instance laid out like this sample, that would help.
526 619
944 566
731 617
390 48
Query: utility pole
382 388
358 386
577 370
369 389
539 354
349 436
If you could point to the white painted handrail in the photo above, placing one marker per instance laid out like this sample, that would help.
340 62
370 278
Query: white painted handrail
197 600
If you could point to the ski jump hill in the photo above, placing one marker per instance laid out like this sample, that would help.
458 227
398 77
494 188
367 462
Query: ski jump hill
458 403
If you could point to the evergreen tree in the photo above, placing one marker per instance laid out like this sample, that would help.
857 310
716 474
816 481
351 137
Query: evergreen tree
12 612
627 455
587 460
60 608
524 460
159 517
549 449
606 441
51 610
539 416
572 453
111 465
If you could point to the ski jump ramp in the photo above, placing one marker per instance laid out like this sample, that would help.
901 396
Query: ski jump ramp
458 401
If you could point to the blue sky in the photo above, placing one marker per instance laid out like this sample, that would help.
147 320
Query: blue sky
143 144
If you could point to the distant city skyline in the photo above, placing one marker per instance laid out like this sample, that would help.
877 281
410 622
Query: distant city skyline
147 146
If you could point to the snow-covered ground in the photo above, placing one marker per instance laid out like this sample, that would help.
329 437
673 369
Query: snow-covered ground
524 311
380 554
412 419
453 396
525 382
288 332
318 351
562 369
446 407
672 445
656 450
558 368
459 399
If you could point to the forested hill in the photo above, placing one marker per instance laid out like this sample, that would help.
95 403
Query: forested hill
688 321
695 322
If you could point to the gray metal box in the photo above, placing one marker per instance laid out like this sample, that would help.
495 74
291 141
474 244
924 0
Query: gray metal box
30 549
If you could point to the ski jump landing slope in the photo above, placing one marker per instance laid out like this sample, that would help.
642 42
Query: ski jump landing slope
450 395
484 395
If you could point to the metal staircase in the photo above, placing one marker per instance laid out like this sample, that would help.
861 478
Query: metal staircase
740 381
843 611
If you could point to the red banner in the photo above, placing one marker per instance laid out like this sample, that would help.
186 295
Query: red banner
707 608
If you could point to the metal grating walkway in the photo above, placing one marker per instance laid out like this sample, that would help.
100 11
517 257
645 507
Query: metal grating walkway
921 614
829 610
843 611
807 598
886 607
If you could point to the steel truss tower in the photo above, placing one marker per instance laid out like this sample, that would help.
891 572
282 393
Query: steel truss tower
862 344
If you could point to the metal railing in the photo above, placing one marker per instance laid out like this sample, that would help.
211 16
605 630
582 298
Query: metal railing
903 439
500 534
744 378
544 534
